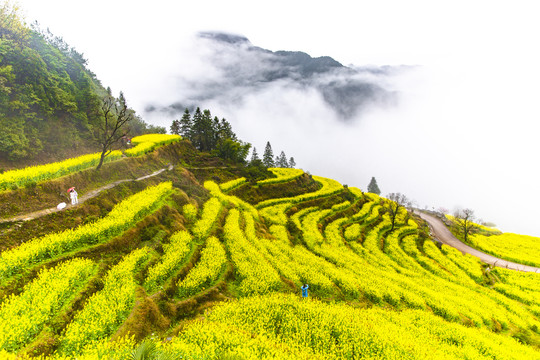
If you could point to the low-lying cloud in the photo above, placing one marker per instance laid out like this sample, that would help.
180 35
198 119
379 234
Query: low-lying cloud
439 133
229 69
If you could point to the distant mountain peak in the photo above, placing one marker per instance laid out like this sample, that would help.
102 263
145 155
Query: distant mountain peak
244 69
224 37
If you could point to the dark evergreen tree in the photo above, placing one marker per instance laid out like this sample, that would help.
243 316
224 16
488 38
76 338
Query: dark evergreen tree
208 133
268 156
197 129
186 125
292 163
175 127
373 187
225 130
254 156
281 160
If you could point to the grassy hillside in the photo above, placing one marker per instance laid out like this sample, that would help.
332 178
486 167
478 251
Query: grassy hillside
203 261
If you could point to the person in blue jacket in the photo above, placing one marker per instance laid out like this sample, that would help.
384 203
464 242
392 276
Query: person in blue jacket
304 290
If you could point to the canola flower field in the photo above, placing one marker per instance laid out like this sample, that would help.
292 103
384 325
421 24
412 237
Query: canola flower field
518 248
14 179
374 294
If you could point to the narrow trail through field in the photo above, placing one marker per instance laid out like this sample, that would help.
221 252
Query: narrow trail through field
89 195
441 233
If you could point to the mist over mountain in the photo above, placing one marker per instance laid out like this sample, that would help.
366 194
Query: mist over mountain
234 67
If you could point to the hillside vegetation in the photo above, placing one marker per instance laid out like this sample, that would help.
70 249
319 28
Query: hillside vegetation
204 261
49 99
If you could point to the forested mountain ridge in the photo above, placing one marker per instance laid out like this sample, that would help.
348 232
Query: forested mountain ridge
49 99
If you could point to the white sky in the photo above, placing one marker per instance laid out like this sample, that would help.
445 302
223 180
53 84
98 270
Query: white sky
466 130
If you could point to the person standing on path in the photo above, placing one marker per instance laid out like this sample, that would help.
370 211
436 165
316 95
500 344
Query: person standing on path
73 195
304 290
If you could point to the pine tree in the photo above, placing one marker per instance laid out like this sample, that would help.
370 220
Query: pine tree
254 156
208 132
225 131
186 126
292 163
268 156
175 127
197 129
373 187
281 160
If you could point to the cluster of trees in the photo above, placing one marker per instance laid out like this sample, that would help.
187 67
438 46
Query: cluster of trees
268 159
211 135
49 101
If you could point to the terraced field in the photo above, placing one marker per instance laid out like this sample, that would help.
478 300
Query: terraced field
219 277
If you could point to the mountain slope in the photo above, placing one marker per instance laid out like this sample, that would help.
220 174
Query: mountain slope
163 250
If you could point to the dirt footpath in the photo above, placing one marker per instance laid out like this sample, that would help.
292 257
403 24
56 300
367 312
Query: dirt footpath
82 199
441 233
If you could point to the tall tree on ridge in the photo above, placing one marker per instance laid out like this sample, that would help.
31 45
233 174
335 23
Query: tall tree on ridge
463 218
175 127
186 124
268 156
254 156
281 160
292 163
373 187
113 125
397 202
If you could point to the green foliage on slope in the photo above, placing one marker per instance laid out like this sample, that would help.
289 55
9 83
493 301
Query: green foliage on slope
49 99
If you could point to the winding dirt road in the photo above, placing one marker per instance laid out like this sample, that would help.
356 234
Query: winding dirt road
441 233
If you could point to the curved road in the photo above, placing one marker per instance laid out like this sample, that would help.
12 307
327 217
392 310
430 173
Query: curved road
441 233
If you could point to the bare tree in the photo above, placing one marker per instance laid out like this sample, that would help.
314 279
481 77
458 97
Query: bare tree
463 218
113 125
397 202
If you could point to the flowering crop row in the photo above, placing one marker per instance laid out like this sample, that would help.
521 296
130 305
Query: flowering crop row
36 174
107 309
329 187
332 232
148 142
212 263
352 232
433 252
256 275
175 253
276 214
209 215
295 264
282 175
233 184
468 263
298 216
23 316
414 287
522 286
281 326
121 217
522 249
341 332
300 265
215 191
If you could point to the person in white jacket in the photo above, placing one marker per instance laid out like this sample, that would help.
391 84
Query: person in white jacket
73 195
